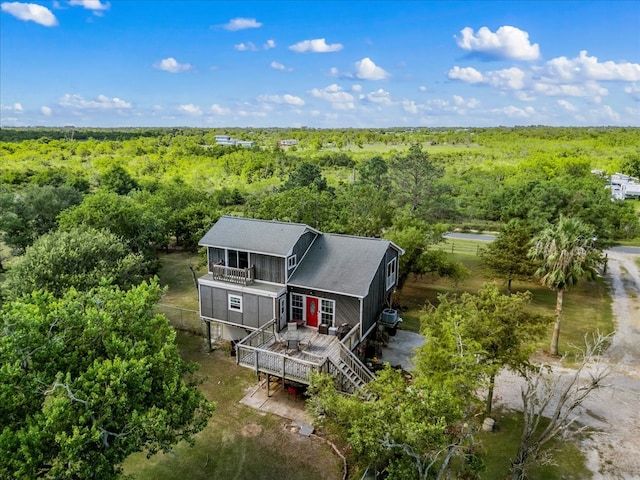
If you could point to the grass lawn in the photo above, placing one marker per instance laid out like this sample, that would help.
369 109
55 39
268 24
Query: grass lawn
239 442
586 306
501 444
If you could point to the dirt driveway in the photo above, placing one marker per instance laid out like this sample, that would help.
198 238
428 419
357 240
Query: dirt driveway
613 413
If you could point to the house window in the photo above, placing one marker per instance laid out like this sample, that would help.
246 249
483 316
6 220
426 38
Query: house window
237 259
327 311
391 273
291 262
235 303
297 307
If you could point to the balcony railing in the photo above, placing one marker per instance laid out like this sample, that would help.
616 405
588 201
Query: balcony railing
241 276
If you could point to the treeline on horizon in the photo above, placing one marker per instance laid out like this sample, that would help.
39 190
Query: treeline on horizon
155 188
18 134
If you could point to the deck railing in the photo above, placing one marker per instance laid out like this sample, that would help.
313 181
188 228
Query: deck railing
277 363
241 276
355 365
351 339
251 352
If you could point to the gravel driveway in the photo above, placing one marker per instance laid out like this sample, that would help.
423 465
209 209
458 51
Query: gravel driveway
613 413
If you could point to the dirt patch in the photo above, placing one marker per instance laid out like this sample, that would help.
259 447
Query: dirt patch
251 430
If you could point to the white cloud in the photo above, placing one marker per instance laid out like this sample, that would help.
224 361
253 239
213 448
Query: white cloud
367 70
410 106
515 112
465 74
335 95
30 12
244 47
190 109
422 88
218 110
90 4
282 99
568 106
380 96
318 45
102 102
356 88
634 91
609 114
584 67
506 43
16 108
281 67
269 44
587 89
46 111
511 78
524 96
240 23
172 65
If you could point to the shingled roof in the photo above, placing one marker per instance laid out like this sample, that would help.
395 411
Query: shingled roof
261 236
341 264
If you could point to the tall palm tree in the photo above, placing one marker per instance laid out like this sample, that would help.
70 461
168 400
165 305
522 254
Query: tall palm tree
567 252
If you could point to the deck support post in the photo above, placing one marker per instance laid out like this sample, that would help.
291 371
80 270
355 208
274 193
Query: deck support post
209 336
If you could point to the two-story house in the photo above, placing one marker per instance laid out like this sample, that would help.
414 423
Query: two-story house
292 298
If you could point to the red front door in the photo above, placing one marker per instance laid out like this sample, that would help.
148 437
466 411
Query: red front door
312 312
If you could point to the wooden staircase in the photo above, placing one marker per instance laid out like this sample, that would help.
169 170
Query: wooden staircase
351 374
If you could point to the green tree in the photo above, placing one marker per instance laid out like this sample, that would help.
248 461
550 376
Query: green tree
88 379
414 179
306 175
300 205
415 237
415 429
363 210
567 252
374 171
32 212
118 180
507 256
494 330
80 257
142 229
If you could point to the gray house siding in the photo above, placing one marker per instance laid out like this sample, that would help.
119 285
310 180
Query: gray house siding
256 310
376 300
347 308
268 268
301 248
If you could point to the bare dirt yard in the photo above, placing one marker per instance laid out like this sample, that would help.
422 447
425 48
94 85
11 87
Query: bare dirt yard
611 414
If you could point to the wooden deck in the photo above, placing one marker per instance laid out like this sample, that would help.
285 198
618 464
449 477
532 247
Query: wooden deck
273 353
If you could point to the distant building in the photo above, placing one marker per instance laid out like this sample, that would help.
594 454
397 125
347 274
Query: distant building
624 186
226 140
287 143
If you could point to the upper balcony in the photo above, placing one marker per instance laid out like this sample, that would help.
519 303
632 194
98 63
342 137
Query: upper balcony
240 276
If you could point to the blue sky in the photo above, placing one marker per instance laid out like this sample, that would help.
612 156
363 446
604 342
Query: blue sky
319 63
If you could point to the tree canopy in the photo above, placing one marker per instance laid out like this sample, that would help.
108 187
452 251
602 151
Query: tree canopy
80 257
88 379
